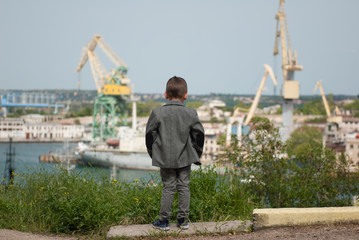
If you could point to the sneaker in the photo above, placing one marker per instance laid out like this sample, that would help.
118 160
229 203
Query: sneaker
182 223
161 225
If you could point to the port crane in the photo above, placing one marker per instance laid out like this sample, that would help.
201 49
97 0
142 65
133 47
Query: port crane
113 89
332 132
268 71
290 87
332 118
238 119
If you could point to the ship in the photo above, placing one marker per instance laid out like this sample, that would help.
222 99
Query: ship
128 151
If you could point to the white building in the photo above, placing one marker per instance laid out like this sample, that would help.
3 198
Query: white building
18 129
216 103
269 110
11 128
349 125
37 118
211 110
53 131
204 113
211 149
34 118
352 148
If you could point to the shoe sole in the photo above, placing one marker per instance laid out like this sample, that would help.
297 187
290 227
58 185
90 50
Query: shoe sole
183 227
161 228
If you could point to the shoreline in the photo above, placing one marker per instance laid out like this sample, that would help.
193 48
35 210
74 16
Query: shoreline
40 140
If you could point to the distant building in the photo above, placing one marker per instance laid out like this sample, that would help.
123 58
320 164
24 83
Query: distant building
33 127
216 103
37 118
53 131
211 148
211 110
352 148
204 113
246 100
11 128
269 110
349 125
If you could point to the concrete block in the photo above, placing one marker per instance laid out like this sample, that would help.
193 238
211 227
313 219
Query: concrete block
194 228
271 217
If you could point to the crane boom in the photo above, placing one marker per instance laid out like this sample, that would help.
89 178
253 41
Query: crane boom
91 45
332 118
98 71
268 70
110 53
114 82
325 102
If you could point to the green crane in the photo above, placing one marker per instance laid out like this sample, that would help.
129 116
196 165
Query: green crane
112 87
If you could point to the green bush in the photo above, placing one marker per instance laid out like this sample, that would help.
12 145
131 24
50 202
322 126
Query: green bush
314 177
301 138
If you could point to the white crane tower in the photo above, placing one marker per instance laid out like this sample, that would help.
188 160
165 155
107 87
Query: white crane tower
290 87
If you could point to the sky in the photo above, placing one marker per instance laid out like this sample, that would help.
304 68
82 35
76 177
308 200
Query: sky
218 46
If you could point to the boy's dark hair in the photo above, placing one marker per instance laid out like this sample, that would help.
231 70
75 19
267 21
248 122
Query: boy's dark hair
176 87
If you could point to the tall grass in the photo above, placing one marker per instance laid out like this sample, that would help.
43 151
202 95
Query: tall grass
61 202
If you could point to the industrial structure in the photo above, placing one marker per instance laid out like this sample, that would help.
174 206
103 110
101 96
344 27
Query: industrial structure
29 100
9 164
112 87
290 87
268 70
235 123
332 131
336 117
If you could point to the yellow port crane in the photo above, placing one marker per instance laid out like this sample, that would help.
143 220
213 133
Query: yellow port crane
331 117
290 87
105 81
112 87
268 70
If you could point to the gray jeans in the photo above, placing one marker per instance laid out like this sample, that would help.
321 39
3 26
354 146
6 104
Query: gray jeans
173 179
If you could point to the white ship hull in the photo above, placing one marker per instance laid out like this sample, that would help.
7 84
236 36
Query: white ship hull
115 158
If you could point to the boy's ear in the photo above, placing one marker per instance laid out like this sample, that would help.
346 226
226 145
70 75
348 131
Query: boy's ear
185 96
166 96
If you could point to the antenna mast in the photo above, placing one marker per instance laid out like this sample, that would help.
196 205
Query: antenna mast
9 169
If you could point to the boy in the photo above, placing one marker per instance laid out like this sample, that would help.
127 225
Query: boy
174 140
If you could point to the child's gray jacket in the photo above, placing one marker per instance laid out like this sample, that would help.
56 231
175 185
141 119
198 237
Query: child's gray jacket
174 136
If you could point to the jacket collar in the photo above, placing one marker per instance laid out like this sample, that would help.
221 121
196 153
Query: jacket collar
174 102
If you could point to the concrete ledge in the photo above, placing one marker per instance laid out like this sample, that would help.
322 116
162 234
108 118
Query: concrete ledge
194 228
272 217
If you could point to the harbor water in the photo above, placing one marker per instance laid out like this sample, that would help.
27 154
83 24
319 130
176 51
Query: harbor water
27 159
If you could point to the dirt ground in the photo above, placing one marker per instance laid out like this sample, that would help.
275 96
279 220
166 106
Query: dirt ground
6 234
345 232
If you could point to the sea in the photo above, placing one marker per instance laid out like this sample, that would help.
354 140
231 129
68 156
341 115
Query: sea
26 159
